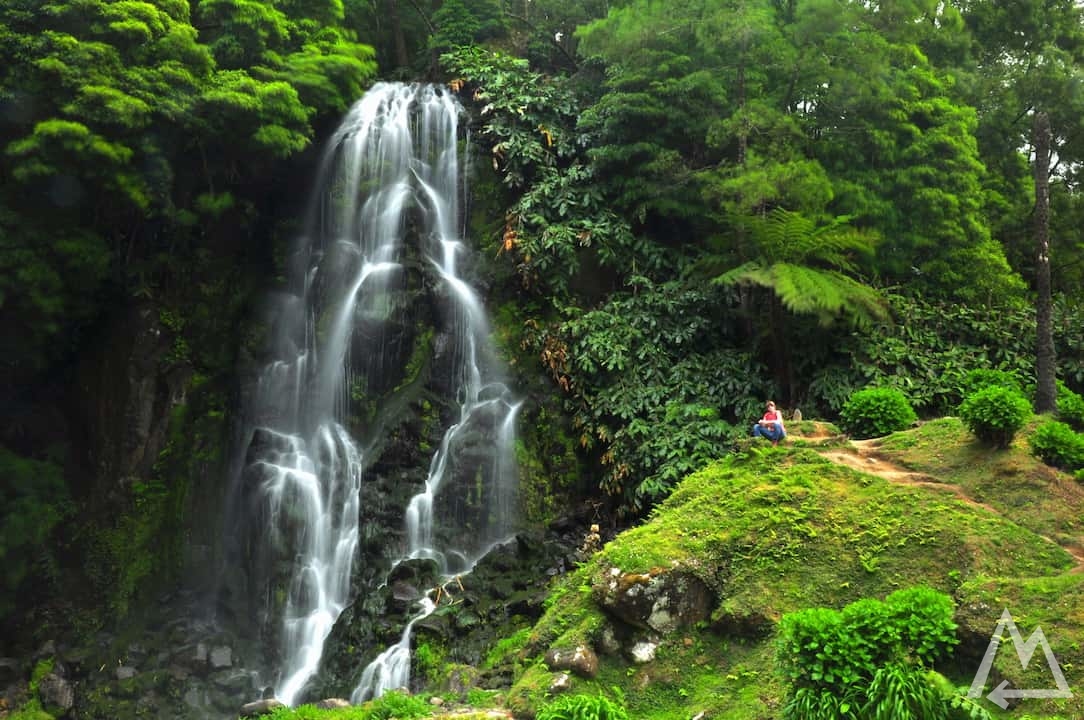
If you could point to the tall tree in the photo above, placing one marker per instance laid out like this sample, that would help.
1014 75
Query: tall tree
1046 394
1030 64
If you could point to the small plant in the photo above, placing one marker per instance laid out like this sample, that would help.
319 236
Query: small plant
400 706
1057 444
994 414
583 707
875 412
1070 406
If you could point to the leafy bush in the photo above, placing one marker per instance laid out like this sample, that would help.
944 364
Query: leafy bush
583 707
871 659
994 414
1057 444
825 648
874 412
1070 406
976 380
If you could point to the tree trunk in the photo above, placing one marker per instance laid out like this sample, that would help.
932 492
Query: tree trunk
1046 391
780 361
402 58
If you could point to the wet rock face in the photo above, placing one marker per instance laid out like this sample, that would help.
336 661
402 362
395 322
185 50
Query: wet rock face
124 397
660 601
57 694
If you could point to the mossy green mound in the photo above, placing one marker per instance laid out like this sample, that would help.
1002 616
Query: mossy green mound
777 530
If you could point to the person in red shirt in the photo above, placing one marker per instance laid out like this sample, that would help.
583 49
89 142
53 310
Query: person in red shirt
770 426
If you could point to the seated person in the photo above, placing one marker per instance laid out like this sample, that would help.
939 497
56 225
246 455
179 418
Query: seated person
770 426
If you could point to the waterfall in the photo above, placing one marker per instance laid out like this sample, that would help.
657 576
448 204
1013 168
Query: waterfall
385 218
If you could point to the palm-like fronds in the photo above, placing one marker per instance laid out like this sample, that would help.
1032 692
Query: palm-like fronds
809 267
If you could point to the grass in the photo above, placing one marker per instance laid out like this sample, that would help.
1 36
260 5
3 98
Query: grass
1012 481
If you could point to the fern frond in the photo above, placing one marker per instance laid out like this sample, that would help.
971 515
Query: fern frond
751 272
828 294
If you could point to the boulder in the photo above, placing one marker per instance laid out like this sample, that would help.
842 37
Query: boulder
663 600
643 652
221 657
581 660
333 704
57 694
260 707
561 683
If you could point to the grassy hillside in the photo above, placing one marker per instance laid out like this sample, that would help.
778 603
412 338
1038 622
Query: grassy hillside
822 522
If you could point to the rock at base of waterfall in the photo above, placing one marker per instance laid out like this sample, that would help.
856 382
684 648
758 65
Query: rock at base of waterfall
57 694
221 657
333 704
260 707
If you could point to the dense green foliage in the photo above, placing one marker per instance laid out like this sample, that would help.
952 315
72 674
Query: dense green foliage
872 660
825 648
1070 406
786 154
976 380
933 347
141 144
1059 445
875 412
995 414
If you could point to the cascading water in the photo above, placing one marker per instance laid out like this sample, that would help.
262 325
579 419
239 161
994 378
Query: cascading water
385 218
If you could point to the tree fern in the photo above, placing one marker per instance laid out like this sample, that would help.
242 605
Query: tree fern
809 268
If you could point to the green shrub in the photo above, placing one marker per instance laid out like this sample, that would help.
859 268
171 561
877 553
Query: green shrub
994 414
976 380
834 649
874 412
1070 406
1057 444
871 660
583 707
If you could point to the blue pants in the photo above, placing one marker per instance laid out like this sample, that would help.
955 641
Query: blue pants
773 432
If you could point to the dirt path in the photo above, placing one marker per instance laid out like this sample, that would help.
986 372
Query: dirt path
863 455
